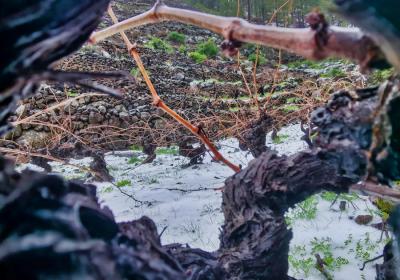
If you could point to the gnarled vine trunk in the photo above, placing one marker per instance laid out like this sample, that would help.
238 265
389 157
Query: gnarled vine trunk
47 220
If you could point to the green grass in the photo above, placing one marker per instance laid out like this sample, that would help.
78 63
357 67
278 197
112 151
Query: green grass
279 139
234 109
72 93
300 261
261 60
328 196
134 160
292 100
290 108
135 72
306 64
379 76
197 57
334 73
176 37
123 183
208 48
136 148
306 210
167 151
182 49
331 196
159 44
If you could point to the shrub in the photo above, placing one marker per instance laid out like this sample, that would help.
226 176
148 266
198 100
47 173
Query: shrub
197 57
158 44
176 37
208 48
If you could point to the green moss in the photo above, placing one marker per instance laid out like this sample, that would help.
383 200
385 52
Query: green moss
176 37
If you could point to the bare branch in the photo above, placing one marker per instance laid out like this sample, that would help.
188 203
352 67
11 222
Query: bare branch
197 131
317 42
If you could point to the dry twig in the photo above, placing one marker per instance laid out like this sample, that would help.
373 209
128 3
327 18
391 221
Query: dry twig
198 131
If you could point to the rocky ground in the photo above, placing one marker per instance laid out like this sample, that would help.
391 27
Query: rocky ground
214 93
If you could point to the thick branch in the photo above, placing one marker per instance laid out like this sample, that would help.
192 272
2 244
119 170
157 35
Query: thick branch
340 42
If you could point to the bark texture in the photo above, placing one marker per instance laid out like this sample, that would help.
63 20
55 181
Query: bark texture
45 220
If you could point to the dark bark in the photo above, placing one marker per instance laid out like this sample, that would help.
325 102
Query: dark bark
254 240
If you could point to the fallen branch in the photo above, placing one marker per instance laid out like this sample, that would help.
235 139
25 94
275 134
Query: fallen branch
317 42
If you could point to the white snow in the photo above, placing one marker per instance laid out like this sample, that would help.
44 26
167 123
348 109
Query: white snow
186 203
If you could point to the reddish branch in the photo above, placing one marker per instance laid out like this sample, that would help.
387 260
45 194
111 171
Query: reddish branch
160 104
317 42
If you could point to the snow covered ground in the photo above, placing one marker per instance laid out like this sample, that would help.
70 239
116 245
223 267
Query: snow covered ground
183 201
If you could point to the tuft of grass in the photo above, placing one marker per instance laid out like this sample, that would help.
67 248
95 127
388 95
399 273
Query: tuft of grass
305 64
123 183
261 60
279 139
379 76
108 189
292 100
234 109
72 93
328 196
136 148
134 160
198 57
331 196
208 48
334 73
158 44
167 151
135 72
182 49
300 262
306 210
290 108
176 37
